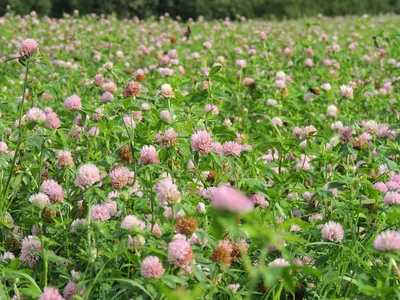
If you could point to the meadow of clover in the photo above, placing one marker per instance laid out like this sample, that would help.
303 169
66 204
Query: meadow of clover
170 159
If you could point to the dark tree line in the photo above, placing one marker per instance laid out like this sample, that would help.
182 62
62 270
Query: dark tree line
207 8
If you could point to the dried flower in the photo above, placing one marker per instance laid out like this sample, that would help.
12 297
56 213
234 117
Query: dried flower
186 226
223 253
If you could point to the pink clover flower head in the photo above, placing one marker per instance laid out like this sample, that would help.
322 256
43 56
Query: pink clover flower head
346 91
39 200
279 262
316 217
121 177
392 198
151 267
234 287
166 91
7 255
52 120
106 97
3 147
35 114
99 212
129 121
388 240
214 109
201 208
28 47
228 198
167 139
165 72
180 253
173 54
112 207
392 185
280 83
50 294
165 116
72 289
53 190
132 222
201 141
217 147
64 159
380 186
148 155
231 148
332 110
167 192
308 62
30 251
109 87
332 232
177 215
78 224
98 79
73 103
259 200
87 175
241 63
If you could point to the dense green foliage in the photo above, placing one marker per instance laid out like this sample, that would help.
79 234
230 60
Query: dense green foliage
206 8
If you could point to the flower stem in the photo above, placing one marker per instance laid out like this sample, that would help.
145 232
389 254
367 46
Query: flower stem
395 267
173 222
21 107
44 251
89 228
40 164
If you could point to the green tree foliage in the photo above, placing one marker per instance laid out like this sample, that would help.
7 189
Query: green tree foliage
23 7
207 8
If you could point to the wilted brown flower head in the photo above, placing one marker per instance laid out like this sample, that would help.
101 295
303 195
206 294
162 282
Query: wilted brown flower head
125 155
132 88
186 226
223 253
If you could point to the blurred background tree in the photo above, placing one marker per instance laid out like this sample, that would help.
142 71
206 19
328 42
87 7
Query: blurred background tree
208 8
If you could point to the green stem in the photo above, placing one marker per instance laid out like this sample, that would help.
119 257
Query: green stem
278 294
44 252
21 108
395 267
131 136
173 222
23 94
89 229
153 214
16 292
40 164
66 173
